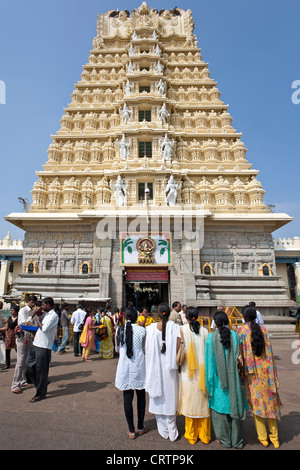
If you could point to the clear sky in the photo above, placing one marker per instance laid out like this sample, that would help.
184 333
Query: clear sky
251 46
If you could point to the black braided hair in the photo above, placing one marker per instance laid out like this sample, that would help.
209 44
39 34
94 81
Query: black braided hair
222 322
192 316
163 313
257 337
125 333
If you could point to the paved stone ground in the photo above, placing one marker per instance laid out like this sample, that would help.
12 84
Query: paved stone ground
84 411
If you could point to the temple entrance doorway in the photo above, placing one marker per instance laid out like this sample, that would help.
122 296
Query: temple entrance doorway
146 287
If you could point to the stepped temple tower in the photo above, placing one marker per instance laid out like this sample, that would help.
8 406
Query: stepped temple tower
144 142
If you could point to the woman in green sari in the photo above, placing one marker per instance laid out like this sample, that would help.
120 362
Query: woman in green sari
226 397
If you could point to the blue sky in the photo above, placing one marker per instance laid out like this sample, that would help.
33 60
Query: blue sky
252 48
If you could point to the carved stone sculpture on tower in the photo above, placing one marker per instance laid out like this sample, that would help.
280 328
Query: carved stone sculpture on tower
120 191
124 146
171 191
163 114
161 87
159 68
131 51
128 87
130 67
157 50
126 114
166 147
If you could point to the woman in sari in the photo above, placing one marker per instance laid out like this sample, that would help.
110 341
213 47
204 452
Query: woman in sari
226 397
106 350
144 319
261 381
193 401
87 337
162 381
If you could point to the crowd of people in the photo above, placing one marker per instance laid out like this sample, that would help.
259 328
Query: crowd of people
221 374
210 376
40 327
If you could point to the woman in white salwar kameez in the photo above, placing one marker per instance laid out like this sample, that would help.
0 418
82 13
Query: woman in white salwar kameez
162 381
193 400
130 374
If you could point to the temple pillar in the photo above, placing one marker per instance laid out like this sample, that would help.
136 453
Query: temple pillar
4 276
297 278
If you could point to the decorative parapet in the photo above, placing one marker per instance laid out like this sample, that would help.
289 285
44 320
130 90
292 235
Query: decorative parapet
8 244
287 244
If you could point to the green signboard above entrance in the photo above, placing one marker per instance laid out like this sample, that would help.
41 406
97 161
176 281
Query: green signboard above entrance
143 249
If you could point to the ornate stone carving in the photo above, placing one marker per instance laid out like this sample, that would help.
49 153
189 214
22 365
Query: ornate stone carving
124 146
163 114
166 147
120 191
114 88
171 191
126 114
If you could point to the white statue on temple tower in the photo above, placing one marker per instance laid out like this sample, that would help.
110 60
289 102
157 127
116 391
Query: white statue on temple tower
120 190
161 87
171 191
131 51
163 114
124 146
159 68
128 87
166 147
130 67
157 50
126 114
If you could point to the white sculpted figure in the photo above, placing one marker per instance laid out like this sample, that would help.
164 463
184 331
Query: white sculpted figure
154 35
171 191
134 36
131 51
163 114
166 147
124 146
128 87
120 191
157 50
159 68
161 87
126 114
130 67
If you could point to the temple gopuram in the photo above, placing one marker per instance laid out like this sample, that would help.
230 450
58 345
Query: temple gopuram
146 148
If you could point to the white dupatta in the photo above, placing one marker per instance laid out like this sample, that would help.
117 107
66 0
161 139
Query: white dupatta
154 372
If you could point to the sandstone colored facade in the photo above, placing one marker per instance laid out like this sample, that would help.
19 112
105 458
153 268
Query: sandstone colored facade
145 113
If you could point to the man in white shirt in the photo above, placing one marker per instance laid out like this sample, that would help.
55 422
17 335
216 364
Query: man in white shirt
259 318
38 359
24 342
182 314
221 308
76 319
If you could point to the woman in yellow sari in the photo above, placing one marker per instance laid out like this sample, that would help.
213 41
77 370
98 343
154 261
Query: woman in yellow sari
106 350
193 399
144 319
